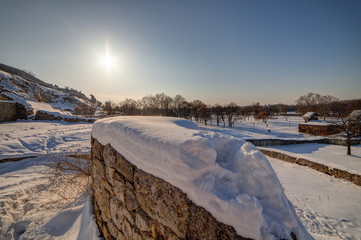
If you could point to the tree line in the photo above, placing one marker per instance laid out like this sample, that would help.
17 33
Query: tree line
163 105
326 106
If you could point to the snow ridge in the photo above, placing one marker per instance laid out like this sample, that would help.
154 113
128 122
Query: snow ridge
230 178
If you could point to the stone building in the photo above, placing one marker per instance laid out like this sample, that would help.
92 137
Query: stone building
319 128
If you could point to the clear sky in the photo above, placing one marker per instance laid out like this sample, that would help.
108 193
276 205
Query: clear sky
217 51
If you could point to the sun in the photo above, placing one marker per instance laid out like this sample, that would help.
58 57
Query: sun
108 61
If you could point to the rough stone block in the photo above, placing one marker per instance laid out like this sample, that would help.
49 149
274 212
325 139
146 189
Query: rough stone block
131 201
202 225
108 187
119 187
109 172
109 156
162 202
130 233
113 230
143 221
116 214
97 149
103 201
128 215
98 169
125 168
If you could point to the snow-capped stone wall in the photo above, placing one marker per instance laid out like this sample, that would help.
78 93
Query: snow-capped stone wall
165 178
132 204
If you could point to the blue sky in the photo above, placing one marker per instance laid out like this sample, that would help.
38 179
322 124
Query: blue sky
216 51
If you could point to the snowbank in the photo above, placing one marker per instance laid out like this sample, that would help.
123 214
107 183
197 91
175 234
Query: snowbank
228 177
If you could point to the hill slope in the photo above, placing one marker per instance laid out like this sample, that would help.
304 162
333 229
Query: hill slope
34 94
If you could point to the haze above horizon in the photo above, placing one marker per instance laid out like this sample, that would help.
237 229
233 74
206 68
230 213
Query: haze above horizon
216 51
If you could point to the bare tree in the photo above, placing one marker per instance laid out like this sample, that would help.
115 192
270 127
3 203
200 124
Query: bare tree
205 114
218 111
348 124
232 113
195 105
314 102
186 110
129 106
264 115
108 107
164 102
324 105
256 108
177 104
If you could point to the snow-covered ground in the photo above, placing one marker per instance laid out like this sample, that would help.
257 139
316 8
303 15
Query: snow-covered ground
278 128
328 207
29 138
330 155
30 211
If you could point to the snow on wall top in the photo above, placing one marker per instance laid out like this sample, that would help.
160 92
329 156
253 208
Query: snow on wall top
230 178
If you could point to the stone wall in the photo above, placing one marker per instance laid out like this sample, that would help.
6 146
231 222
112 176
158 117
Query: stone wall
7 111
319 130
44 115
276 142
132 204
338 173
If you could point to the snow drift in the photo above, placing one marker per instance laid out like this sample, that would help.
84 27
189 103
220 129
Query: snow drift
228 177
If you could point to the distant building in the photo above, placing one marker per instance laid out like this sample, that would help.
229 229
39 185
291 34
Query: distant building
319 128
310 116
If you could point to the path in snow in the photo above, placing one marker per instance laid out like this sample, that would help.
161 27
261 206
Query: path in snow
30 211
328 207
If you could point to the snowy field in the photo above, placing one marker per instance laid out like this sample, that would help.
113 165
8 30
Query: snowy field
328 207
330 155
277 128
32 138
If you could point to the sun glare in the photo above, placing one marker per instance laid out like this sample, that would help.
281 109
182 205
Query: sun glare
108 61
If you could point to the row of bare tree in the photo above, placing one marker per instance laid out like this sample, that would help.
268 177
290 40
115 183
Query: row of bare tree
164 105
326 106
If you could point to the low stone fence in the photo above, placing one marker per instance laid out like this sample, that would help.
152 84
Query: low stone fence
338 173
132 204
275 142
44 115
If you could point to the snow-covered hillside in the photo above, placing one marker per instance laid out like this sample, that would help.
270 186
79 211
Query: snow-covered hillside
35 96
